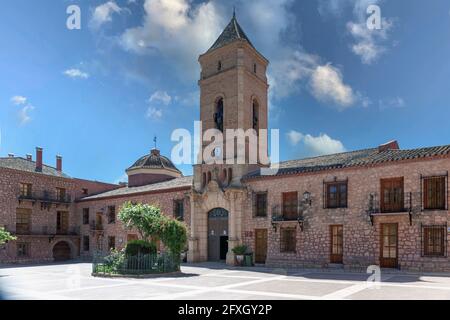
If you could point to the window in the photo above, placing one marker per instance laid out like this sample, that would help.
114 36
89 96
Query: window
25 189
178 209
392 195
23 221
85 215
290 205
288 240
255 110
61 194
209 176
254 68
204 179
111 242
219 65
111 214
261 204
62 222
336 195
23 249
434 193
218 115
434 241
230 175
84 191
86 243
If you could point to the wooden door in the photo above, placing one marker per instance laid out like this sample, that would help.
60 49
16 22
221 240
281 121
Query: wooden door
337 243
389 245
98 221
61 251
392 195
260 245
62 222
217 234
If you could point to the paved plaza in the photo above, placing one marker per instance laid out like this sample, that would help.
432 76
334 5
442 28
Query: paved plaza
217 281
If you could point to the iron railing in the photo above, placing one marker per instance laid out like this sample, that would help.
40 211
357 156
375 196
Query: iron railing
45 196
119 263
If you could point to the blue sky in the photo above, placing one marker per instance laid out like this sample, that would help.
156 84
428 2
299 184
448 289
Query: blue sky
98 95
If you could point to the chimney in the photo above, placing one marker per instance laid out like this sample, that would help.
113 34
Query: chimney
391 145
38 159
154 152
29 157
11 155
58 163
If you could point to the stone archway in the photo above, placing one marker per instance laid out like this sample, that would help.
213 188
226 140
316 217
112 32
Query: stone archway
62 251
217 234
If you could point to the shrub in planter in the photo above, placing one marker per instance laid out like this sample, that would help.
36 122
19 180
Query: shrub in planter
140 247
240 251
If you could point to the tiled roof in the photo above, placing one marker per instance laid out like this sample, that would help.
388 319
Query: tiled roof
232 32
23 164
353 159
154 160
183 182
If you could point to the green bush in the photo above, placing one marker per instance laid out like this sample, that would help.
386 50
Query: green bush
140 247
240 250
152 223
5 236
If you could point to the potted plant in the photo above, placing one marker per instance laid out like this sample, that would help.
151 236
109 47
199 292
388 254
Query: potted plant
239 251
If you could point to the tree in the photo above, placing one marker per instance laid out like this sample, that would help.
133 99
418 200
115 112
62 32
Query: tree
5 236
151 223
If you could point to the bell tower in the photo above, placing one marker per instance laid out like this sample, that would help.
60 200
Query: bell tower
233 95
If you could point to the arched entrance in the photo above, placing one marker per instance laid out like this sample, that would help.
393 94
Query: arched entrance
217 234
62 251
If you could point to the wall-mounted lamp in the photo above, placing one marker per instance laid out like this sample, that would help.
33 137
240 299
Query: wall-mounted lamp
307 197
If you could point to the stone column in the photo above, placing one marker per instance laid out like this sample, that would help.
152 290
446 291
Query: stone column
232 236
193 253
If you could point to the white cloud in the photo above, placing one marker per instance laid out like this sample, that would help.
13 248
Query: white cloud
328 86
154 113
19 100
76 73
103 13
177 30
322 145
294 137
315 146
396 102
24 116
368 44
161 97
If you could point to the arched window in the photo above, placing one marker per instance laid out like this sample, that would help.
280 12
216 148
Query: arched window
218 115
204 179
255 116
219 65
209 176
254 68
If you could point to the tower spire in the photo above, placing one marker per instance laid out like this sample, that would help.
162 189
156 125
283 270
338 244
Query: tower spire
234 12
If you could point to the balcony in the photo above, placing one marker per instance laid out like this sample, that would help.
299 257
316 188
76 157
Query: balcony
96 227
45 197
404 204
280 217
44 231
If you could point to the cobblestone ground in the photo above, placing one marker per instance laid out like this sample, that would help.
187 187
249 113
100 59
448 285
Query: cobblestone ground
217 281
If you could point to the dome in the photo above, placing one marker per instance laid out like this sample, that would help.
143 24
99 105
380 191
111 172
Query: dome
152 168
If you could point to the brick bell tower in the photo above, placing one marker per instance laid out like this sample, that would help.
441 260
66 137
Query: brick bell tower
233 95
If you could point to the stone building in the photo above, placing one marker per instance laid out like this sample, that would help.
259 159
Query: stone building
378 206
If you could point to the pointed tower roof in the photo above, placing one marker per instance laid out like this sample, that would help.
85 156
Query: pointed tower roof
231 33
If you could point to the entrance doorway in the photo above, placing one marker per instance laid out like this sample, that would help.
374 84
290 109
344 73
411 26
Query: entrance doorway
217 234
389 245
61 251
337 243
260 245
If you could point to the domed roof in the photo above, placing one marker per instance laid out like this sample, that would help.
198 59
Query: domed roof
154 160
